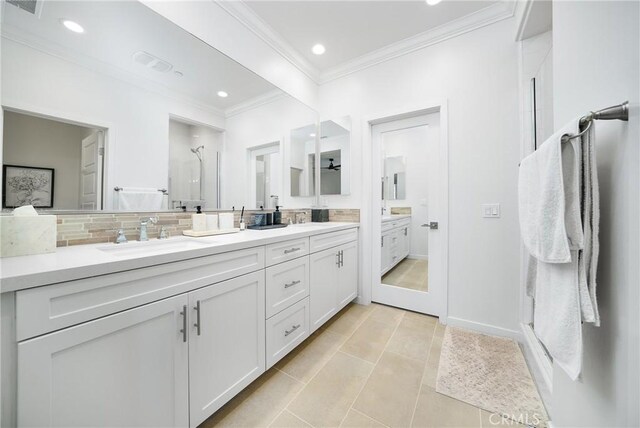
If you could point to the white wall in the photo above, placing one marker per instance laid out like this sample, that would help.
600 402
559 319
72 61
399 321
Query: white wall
33 141
256 127
477 73
208 21
137 119
417 146
596 64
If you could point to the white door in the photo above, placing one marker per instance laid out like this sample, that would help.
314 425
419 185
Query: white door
91 171
348 274
416 280
323 286
124 370
226 342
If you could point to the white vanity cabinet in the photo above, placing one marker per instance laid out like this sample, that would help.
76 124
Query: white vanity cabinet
127 369
395 242
334 276
169 344
226 342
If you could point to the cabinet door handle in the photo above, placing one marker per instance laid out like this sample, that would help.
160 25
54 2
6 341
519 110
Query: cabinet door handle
197 323
405 231
292 283
341 258
338 257
382 241
292 250
293 328
184 323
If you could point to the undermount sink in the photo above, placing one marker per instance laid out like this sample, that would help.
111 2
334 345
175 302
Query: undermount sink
137 248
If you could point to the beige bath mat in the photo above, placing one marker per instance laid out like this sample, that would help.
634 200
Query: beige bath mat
490 373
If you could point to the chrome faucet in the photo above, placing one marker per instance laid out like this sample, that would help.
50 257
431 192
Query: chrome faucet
121 238
143 227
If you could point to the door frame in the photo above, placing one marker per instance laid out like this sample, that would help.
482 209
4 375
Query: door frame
370 212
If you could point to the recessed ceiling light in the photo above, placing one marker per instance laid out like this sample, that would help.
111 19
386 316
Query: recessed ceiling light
318 49
312 135
222 94
72 26
178 73
433 2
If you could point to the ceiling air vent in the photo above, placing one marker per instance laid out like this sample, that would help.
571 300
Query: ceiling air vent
26 5
152 61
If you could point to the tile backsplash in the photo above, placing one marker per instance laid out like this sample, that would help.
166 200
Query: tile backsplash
79 229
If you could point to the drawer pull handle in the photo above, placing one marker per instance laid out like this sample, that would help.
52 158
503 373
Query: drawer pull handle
197 324
293 328
184 323
292 283
292 250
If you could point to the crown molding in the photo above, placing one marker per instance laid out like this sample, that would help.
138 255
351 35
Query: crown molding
103 68
487 16
251 20
255 102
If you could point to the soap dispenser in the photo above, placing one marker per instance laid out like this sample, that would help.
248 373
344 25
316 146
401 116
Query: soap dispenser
198 220
277 215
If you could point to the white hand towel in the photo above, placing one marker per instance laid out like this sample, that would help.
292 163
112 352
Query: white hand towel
139 199
542 202
559 214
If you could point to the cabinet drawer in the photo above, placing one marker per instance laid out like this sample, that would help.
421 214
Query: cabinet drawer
287 283
333 239
287 250
44 309
287 330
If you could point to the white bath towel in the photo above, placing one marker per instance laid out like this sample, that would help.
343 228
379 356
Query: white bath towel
558 215
139 199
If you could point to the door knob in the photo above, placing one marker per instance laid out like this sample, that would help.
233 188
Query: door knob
431 225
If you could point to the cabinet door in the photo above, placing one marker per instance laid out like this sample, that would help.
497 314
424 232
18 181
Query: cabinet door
323 286
128 369
226 343
348 274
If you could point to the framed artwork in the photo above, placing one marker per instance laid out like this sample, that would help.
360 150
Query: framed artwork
27 185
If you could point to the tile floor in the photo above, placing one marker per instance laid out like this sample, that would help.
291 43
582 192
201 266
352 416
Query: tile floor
370 366
409 273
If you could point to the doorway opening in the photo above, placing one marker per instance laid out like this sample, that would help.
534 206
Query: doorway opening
73 153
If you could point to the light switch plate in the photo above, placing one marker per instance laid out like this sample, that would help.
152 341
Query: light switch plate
491 210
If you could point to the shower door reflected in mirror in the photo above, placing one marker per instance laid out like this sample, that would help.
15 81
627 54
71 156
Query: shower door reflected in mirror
194 152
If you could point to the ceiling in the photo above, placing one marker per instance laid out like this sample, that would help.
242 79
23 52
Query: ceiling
350 29
115 30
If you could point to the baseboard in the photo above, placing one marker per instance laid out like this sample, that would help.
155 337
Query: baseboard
485 328
417 257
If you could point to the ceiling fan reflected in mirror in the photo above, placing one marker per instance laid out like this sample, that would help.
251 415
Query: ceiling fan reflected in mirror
332 166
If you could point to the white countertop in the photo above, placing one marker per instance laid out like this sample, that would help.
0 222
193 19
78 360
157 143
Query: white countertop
386 218
83 261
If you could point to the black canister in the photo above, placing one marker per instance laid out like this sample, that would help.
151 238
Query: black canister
269 219
277 216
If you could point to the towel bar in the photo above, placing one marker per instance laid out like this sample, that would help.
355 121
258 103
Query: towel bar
117 189
618 112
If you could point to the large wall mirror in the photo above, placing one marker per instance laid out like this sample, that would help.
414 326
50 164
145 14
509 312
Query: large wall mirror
109 106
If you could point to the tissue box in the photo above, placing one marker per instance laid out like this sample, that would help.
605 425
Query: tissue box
26 235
